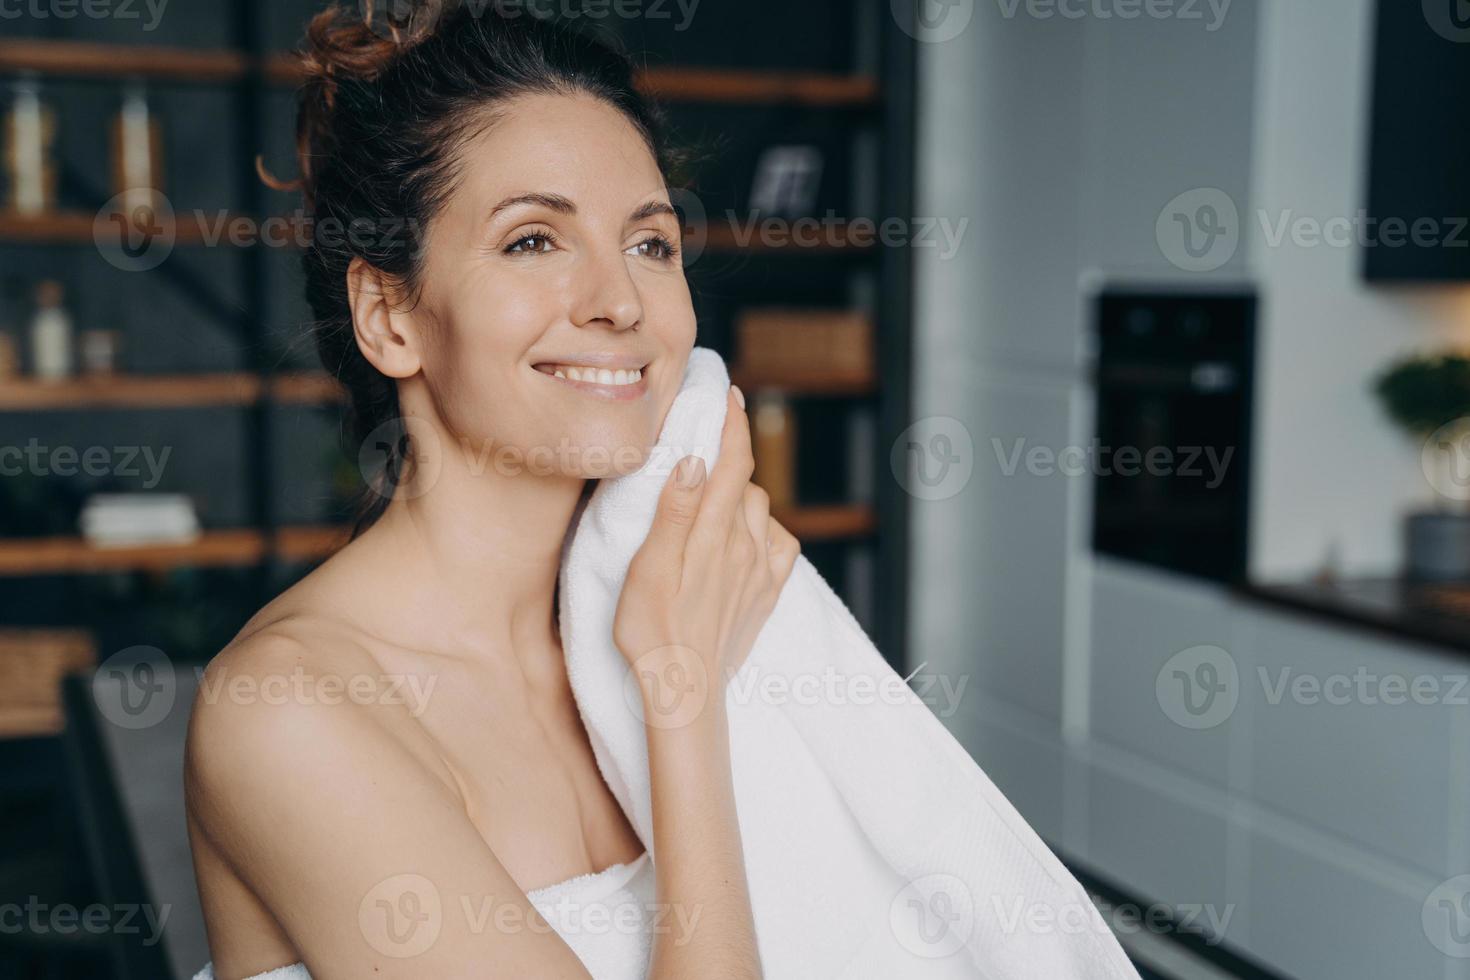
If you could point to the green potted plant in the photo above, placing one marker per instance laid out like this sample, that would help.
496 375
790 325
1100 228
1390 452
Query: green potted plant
1429 397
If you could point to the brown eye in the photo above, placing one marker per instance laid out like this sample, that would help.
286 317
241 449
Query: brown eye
663 249
539 239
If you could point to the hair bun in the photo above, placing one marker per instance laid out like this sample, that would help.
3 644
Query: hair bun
349 44
363 43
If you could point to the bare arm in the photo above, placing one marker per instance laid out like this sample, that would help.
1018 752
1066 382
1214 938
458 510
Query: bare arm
366 859
697 594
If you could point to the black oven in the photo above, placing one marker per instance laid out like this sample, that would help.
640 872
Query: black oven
1171 458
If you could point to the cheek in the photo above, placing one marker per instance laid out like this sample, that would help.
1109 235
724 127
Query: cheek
475 368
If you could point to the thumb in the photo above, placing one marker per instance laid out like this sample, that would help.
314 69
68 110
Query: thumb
678 505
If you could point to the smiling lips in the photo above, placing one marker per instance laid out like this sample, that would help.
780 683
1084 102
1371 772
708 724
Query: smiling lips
618 383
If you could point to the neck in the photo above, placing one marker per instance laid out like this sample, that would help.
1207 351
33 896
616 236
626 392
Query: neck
471 553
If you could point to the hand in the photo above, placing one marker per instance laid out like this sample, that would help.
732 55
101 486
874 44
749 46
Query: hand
708 575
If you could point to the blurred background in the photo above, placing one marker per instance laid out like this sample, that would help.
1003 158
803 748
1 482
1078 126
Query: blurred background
1107 356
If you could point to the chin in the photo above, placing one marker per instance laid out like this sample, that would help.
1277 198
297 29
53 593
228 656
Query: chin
605 452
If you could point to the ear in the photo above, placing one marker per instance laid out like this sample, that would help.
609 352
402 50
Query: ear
388 337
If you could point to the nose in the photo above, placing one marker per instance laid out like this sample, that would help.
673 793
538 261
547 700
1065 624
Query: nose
606 293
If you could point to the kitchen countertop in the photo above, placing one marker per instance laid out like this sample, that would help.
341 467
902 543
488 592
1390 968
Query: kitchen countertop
1435 613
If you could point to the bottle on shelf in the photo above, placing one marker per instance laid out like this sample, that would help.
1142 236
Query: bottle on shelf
99 348
137 150
30 166
773 444
51 334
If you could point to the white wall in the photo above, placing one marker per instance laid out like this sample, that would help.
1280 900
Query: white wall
1330 468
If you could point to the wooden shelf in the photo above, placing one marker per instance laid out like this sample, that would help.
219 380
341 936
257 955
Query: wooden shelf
164 391
306 388
77 228
30 721
86 59
310 543
721 238
828 522
224 548
129 391
747 87
829 385
64 227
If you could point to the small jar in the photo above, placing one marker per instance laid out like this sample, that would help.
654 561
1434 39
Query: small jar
99 351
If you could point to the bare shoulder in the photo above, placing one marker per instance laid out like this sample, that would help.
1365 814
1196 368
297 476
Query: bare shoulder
279 712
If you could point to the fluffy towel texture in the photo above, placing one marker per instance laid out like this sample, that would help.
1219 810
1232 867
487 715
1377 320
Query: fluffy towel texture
606 918
874 845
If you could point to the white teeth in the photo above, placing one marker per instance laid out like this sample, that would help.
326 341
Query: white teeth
602 376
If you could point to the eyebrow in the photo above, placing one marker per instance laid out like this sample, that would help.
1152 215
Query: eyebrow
562 205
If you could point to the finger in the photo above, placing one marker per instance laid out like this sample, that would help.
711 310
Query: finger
674 518
757 507
730 476
784 550
740 546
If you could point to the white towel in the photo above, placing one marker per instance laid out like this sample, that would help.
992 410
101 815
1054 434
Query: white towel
874 845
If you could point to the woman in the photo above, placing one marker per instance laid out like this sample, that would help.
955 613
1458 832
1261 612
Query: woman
505 274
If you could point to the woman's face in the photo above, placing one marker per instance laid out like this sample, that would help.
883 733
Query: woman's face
553 255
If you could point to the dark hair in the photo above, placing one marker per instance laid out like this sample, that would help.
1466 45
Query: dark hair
385 107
